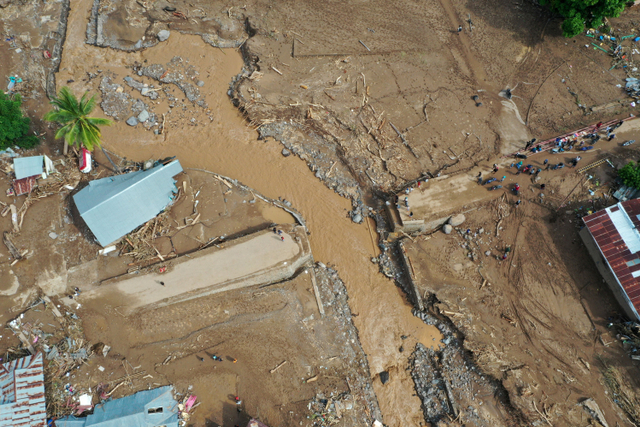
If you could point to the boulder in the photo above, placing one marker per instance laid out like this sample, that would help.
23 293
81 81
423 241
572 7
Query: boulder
384 377
456 220
286 152
132 121
143 116
138 44
447 229
163 35
200 83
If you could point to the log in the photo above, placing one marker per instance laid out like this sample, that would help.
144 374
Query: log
15 253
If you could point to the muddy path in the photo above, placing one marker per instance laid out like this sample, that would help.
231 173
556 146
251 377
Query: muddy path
228 146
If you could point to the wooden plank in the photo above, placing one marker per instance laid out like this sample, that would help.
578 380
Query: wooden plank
316 291
15 253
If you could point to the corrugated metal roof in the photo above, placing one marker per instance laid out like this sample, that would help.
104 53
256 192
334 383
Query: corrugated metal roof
625 227
114 206
22 402
24 185
131 411
28 166
612 237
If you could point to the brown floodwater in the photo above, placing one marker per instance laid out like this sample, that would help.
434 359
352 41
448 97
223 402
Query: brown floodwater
227 145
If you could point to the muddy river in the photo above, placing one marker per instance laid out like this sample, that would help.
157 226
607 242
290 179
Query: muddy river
227 145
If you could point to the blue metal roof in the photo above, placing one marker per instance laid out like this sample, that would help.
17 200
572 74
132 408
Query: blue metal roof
28 166
114 206
131 411
22 401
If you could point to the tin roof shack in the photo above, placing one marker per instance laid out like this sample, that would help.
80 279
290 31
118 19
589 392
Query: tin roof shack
22 402
148 408
114 206
612 238
27 170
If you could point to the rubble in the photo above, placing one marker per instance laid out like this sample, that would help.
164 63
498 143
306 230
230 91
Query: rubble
163 35
65 350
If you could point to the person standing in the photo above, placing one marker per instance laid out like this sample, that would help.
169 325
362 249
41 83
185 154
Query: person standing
459 29
495 168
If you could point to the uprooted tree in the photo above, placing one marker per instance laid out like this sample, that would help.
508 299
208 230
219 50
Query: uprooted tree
14 127
578 13
630 175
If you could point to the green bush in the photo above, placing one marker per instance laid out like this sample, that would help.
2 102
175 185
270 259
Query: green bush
578 13
630 175
14 127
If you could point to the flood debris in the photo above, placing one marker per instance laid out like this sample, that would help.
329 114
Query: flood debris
622 393
328 410
64 348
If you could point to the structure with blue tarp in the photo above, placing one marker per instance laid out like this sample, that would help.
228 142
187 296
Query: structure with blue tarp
148 408
113 207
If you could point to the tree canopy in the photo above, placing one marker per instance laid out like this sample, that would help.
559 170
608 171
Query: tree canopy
630 175
77 129
578 13
14 127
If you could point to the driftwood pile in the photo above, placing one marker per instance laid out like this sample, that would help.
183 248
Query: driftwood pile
139 244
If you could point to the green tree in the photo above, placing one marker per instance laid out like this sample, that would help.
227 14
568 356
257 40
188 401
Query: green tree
578 13
77 129
14 127
630 175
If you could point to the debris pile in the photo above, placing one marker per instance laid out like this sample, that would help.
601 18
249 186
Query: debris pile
622 393
621 54
328 411
186 408
139 244
629 334
65 350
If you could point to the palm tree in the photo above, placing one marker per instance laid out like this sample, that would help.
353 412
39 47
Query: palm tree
77 129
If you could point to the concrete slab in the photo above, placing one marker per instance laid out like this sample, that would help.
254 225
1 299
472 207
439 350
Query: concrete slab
259 258
435 200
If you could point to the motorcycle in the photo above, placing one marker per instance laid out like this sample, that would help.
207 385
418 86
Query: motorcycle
489 181
495 187
587 148
627 143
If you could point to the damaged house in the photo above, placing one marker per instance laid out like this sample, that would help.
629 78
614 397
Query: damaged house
114 206
28 170
148 408
22 401
612 238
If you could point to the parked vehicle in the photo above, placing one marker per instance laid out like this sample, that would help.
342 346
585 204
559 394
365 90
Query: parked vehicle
627 143
85 161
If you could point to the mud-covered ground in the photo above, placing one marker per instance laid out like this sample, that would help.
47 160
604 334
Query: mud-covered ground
370 96
537 322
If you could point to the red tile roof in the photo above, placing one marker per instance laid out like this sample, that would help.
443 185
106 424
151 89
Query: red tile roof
612 245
